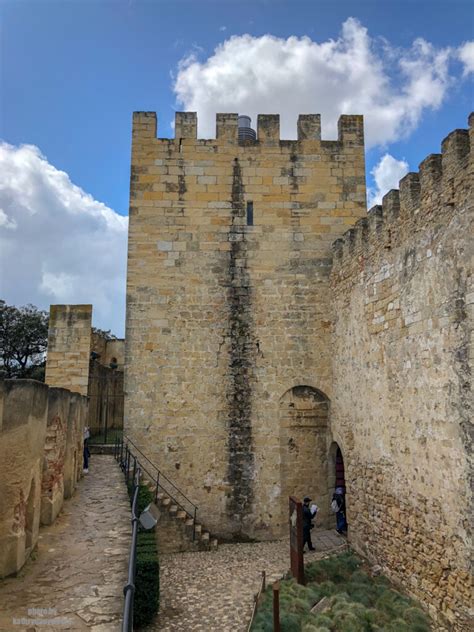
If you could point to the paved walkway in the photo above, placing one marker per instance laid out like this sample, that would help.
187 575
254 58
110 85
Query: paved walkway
214 591
78 572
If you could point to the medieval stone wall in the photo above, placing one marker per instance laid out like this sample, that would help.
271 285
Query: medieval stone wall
36 424
69 345
228 315
401 408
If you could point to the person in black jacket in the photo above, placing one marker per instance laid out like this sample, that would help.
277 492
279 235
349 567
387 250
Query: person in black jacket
308 516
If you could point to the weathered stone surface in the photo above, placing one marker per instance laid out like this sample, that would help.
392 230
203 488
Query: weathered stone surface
401 409
224 319
69 343
216 592
41 439
76 580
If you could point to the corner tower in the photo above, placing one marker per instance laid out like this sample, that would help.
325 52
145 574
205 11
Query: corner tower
228 367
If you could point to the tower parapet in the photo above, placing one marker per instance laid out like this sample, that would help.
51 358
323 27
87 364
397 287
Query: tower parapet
350 128
442 182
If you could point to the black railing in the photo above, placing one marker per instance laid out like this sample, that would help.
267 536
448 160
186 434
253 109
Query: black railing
161 482
129 589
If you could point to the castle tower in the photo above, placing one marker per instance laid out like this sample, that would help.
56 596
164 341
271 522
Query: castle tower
228 352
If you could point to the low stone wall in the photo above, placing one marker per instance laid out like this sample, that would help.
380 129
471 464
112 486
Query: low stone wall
36 424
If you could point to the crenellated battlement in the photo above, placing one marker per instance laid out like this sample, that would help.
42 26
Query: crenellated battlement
442 182
350 128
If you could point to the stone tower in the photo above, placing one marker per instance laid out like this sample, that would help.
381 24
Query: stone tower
228 357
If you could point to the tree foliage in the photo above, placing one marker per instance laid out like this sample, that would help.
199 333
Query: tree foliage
23 341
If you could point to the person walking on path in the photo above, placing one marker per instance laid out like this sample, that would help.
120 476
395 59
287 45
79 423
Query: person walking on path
308 515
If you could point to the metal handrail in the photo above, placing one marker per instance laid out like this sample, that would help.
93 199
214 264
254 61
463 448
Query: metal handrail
192 514
160 472
129 588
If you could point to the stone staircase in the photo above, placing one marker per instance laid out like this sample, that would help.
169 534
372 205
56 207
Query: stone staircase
177 526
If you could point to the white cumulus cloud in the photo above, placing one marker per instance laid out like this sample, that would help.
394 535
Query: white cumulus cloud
466 55
57 243
353 74
387 173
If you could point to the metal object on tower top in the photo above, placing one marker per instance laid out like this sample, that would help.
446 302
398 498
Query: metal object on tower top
245 131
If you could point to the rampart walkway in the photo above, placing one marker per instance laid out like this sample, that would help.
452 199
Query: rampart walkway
76 578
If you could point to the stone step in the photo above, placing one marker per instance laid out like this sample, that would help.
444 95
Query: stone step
182 515
173 510
205 537
214 543
166 501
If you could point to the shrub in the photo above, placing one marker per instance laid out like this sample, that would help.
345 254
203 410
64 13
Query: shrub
147 578
147 583
357 602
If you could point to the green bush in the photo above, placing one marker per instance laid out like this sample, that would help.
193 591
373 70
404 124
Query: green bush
147 578
147 582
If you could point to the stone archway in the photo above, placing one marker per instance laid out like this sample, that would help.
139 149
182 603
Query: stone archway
303 448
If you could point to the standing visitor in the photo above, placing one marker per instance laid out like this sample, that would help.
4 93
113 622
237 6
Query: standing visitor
308 515
338 506
86 453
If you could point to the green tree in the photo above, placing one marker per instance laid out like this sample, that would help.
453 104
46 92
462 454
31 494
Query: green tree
23 341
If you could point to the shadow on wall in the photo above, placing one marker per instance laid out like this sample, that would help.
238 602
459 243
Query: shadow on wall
41 434
304 413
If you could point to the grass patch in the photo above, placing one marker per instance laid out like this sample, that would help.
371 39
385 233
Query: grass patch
356 602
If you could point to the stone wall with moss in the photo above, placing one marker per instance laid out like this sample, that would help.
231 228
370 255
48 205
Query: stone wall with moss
228 308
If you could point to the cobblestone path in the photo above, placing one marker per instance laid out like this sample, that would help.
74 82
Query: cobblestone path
214 591
79 569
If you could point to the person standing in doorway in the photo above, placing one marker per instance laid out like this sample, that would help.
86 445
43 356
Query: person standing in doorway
308 516
338 506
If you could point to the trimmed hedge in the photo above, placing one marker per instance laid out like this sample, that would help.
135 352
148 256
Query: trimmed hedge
147 578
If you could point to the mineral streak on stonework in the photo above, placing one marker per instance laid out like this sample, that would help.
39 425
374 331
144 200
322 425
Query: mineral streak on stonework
225 318
241 358
402 287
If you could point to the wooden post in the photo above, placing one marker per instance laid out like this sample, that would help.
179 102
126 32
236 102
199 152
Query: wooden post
296 539
276 607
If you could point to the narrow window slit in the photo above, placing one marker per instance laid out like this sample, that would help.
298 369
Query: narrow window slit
249 213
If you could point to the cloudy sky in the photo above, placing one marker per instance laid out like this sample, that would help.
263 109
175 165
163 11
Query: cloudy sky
73 72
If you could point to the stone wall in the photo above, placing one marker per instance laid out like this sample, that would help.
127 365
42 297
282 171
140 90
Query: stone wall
226 315
69 343
52 485
108 349
35 423
401 408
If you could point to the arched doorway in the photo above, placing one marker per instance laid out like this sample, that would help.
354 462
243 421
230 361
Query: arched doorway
303 443
337 483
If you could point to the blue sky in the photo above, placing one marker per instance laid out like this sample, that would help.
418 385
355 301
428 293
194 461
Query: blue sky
73 72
